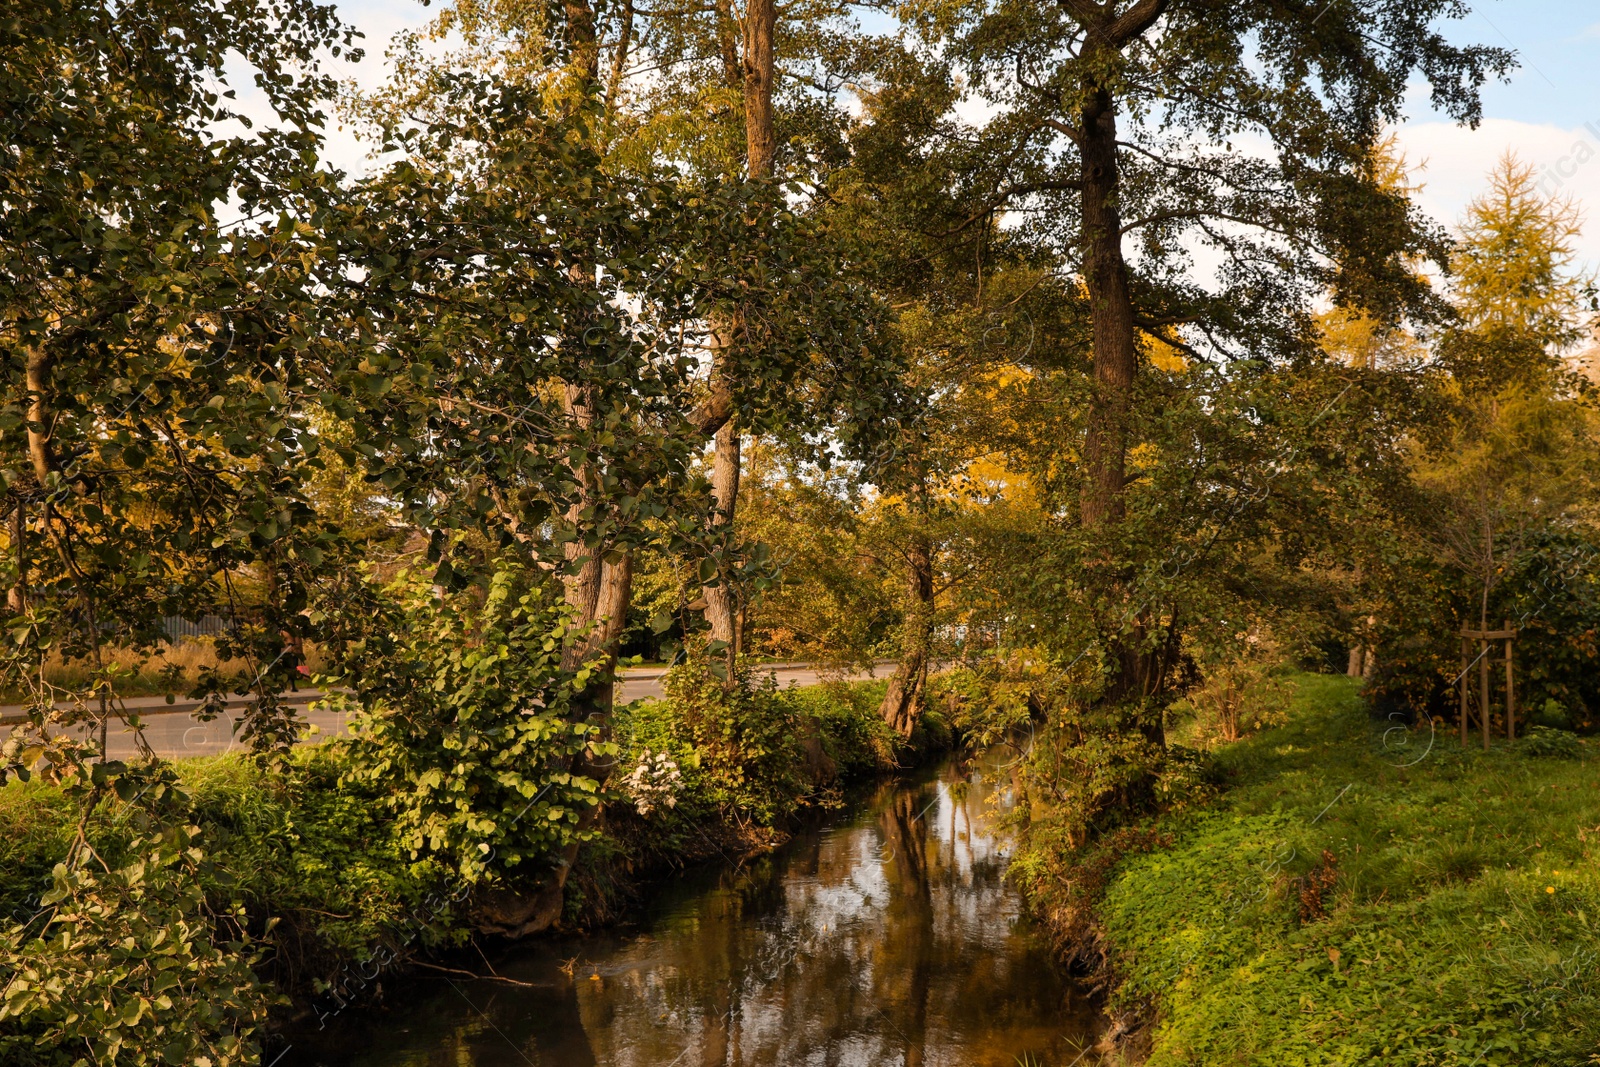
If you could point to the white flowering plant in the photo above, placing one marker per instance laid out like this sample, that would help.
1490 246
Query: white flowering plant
655 782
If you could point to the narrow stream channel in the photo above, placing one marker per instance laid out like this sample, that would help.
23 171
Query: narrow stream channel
885 937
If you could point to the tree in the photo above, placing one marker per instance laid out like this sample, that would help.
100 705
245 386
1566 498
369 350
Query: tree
155 300
790 343
1517 455
157 281
1118 121
1499 489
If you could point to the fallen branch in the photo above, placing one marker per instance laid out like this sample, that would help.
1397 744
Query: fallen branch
475 976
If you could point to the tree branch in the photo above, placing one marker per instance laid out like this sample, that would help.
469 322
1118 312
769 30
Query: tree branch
1135 21
713 413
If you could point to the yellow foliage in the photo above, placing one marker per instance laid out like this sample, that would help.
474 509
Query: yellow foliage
1356 338
1164 356
1517 248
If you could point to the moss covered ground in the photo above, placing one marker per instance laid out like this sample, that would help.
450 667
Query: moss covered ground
1362 894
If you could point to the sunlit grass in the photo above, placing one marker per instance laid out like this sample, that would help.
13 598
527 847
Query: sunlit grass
1459 927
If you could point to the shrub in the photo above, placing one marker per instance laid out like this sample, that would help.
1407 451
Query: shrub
1238 697
1541 742
1550 592
124 956
462 724
990 700
854 737
739 739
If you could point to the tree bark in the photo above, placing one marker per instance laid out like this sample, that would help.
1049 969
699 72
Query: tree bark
17 596
1137 673
619 58
722 599
583 43
907 694
728 42
761 18
1111 311
599 594
40 366
754 74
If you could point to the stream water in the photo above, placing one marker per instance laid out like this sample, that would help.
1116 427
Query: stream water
885 937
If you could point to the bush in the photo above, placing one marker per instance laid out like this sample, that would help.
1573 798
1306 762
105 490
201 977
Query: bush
462 724
750 753
1238 697
740 741
1550 593
854 737
989 701
1541 742
338 861
1554 590
124 957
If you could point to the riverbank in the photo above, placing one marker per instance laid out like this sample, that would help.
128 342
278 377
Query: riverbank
304 859
1358 895
883 932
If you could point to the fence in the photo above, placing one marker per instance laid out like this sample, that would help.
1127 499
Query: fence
180 629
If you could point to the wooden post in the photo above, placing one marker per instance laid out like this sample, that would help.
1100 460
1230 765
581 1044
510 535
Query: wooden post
1483 682
1463 691
1511 689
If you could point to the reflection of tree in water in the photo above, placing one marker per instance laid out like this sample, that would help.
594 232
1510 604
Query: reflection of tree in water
908 955
889 941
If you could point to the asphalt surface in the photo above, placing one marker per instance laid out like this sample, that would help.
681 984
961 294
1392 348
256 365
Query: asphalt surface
172 731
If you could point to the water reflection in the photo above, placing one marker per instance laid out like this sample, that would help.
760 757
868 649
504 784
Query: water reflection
885 939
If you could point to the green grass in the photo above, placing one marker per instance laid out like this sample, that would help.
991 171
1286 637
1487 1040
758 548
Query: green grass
1462 926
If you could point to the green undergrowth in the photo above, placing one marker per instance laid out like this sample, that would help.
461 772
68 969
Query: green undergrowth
316 864
745 772
1366 895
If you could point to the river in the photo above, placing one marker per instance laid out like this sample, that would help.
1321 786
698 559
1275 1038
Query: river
883 937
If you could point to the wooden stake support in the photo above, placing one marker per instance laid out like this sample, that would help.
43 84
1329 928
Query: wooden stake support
1486 639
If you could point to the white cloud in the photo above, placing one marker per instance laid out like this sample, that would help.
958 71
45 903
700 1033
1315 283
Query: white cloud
1456 162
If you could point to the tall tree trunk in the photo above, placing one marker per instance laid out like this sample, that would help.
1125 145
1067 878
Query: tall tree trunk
754 74
1111 310
1137 673
722 599
903 703
598 592
728 43
761 21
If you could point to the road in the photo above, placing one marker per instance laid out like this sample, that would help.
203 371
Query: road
173 732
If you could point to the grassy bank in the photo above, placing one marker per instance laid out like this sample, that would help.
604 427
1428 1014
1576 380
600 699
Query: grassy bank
308 860
1359 896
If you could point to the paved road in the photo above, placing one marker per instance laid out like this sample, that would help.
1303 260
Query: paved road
172 730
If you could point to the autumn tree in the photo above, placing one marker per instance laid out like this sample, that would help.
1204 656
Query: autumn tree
1113 138
789 342
1517 453
156 295
158 281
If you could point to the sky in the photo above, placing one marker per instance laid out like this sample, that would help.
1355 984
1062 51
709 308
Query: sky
1547 112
